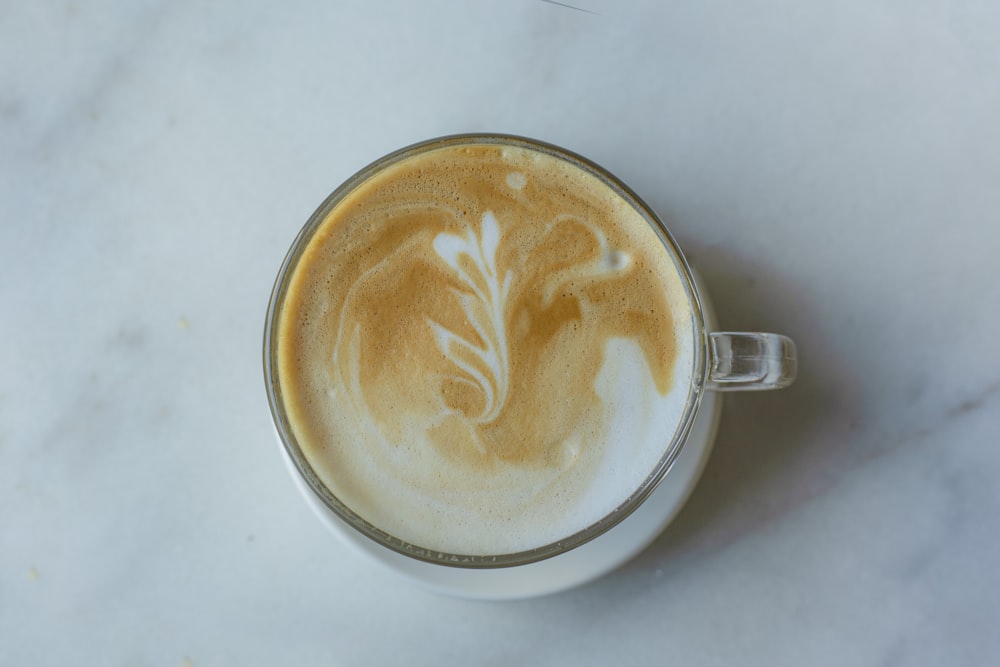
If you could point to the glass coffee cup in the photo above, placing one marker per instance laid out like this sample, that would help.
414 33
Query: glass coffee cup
492 370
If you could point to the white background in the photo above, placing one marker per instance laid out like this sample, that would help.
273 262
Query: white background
832 168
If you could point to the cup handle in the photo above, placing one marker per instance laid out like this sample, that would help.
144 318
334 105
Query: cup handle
741 361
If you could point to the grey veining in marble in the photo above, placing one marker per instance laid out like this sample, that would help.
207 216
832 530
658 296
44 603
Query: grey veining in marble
831 168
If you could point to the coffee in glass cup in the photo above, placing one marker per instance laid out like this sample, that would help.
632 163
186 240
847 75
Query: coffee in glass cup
484 352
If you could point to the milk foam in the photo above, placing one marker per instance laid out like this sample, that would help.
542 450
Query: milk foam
484 351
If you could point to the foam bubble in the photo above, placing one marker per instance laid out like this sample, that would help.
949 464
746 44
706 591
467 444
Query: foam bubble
516 180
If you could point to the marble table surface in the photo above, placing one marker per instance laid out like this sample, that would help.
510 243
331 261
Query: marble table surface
833 169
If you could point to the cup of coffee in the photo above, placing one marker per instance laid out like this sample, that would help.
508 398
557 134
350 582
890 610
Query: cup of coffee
491 368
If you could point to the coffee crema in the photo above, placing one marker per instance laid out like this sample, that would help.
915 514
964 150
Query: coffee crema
484 349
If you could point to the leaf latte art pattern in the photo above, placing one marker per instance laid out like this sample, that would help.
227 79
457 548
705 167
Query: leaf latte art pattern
487 320
486 364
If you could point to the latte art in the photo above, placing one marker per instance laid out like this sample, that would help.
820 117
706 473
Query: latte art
485 364
483 350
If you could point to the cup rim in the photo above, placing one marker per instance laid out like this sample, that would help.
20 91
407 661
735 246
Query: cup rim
474 561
